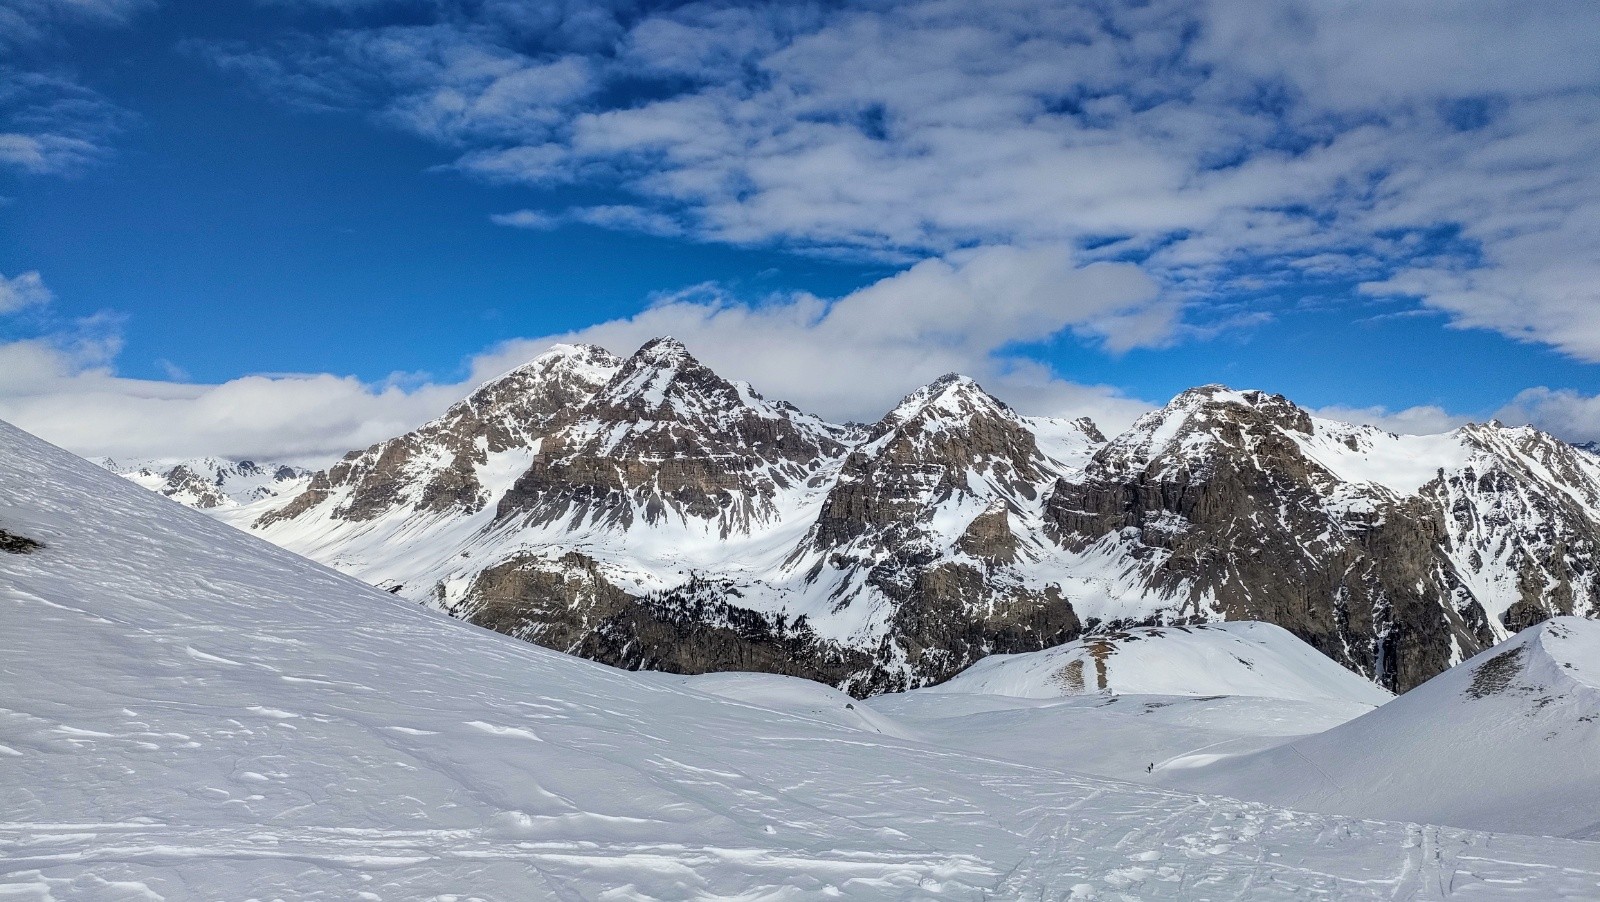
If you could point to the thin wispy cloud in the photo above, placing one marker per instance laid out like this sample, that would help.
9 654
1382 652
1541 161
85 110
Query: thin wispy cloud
50 122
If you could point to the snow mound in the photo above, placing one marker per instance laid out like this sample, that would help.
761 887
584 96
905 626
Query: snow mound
794 695
1508 740
1242 658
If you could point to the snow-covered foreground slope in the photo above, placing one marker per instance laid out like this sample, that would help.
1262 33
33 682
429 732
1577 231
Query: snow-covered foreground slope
189 713
1509 740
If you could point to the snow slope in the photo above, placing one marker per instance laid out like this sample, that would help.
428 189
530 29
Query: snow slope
1240 658
189 713
1509 740
1115 704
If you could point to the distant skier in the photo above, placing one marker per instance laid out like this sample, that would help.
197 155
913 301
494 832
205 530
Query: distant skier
1150 768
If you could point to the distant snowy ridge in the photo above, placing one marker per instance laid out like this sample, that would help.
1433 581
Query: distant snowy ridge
646 512
208 482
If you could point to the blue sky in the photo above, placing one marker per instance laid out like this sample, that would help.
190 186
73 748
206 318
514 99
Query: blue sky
291 227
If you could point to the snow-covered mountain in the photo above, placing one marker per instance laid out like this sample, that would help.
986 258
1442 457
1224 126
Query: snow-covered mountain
208 482
191 713
648 513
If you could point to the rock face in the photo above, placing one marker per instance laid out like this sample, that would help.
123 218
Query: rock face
923 514
1221 500
12 543
651 514
667 437
439 468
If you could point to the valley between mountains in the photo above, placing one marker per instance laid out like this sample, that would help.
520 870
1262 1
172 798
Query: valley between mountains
647 513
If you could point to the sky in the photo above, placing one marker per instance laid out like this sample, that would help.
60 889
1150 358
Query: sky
283 229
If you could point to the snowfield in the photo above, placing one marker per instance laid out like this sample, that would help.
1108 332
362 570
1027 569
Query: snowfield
1509 740
187 712
1241 658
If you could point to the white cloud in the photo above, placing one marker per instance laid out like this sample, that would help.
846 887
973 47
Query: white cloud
1428 419
846 358
1571 415
25 290
51 123
527 219
620 217
854 357
1224 145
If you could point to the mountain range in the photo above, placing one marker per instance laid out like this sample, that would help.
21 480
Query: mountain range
648 513
192 713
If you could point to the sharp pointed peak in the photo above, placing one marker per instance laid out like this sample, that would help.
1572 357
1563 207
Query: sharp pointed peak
664 348
950 394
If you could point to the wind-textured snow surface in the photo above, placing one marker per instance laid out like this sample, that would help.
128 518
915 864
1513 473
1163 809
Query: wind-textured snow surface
187 712
1509 740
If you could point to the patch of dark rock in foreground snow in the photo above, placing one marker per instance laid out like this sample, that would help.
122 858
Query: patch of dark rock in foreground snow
16 544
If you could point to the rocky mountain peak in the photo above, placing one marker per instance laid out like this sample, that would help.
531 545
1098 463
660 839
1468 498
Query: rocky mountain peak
208 483
1205 421
523 401
439 466
664 436
663 381
951 396
1090 430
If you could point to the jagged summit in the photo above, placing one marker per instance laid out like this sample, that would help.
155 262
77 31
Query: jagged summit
949 396
663 381
666 438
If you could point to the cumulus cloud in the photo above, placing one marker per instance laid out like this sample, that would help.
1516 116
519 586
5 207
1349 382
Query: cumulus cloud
1572 415
855 356
1454 158
25 290
844 358
1428 419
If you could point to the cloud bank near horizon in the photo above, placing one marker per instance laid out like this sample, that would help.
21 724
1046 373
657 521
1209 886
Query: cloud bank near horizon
847 358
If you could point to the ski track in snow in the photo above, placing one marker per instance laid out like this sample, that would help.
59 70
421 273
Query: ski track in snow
189 713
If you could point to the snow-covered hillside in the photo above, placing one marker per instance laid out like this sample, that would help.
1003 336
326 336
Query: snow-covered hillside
1509 740
1114 704
190 713
646 512
1242 658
